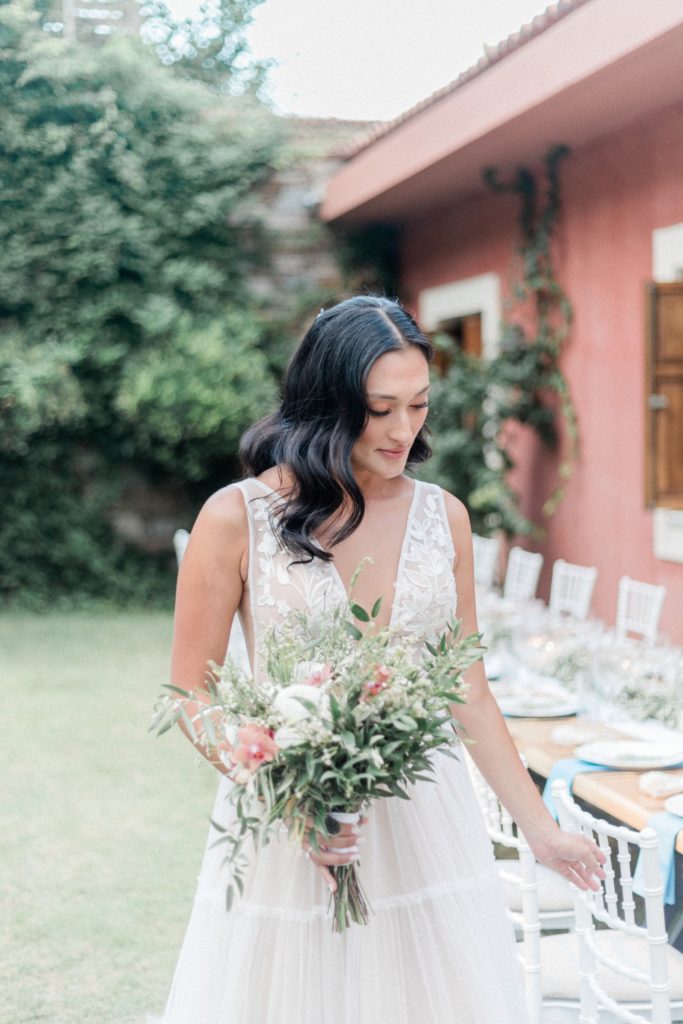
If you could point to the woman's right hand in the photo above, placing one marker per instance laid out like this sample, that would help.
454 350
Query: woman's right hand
335 850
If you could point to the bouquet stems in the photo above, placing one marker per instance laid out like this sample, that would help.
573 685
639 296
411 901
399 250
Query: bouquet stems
350 905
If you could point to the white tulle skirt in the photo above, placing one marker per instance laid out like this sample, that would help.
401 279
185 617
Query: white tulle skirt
439 948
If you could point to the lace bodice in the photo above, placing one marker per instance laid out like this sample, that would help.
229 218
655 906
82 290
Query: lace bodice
424 590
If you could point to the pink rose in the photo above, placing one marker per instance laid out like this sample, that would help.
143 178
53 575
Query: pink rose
381 677
318 676
255 745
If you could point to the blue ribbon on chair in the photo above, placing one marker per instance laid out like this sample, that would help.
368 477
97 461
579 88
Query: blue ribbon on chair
566 769
667 826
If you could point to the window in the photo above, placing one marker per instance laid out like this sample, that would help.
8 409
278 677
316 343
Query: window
664 396
464 333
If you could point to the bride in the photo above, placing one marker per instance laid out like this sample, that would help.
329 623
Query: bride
327 486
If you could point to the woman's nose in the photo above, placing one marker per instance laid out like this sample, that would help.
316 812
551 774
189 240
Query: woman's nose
401 431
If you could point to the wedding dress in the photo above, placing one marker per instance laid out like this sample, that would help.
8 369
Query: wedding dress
439 948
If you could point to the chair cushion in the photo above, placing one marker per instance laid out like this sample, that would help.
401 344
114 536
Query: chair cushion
560 967
553 890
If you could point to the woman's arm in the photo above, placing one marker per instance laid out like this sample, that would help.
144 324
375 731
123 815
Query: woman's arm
494 751
211 579
210 582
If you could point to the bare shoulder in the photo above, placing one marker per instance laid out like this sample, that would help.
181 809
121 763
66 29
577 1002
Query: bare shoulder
458 516
225 510
221 531
459 523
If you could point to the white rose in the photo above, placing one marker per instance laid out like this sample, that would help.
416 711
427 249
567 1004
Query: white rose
286 736
305 669
230 732
288 704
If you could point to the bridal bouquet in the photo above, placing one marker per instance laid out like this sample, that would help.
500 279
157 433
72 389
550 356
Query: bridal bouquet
342 718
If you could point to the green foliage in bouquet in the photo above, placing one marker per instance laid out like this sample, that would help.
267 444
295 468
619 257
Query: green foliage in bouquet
341 719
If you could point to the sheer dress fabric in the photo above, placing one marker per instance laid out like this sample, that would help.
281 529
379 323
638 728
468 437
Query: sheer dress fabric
439 948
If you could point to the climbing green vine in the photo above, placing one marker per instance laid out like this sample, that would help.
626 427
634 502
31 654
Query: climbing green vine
472 400
538 316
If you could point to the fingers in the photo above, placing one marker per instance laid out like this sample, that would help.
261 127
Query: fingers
333 850
586 871
582 877
332 857
327 876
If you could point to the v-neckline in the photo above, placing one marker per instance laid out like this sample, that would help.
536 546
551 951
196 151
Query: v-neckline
341 586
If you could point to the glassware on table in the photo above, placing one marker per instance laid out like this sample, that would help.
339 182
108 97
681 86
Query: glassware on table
640 681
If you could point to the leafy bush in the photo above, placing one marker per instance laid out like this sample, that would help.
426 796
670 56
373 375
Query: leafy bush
467 407
189 400
56 546
126 327
38 392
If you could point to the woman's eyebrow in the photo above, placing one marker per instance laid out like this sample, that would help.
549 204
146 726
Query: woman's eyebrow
375 394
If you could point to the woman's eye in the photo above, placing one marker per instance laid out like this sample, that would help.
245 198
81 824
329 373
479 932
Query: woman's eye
385 412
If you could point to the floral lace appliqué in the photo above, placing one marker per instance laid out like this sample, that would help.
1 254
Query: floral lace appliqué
424 597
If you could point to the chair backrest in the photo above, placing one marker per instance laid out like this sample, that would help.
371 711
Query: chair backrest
639 606
486 551
521 575
613 905
503 830
571 588
180 539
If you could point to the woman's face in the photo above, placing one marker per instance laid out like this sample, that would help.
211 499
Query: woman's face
397 394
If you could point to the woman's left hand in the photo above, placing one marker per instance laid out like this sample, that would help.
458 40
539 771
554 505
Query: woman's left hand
574 856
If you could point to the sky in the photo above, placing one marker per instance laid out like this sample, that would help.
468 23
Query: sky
372 59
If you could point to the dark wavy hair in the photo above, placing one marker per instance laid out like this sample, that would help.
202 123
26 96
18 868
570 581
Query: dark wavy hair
322 414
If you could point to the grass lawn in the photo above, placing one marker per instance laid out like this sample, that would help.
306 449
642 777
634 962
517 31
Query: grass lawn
102 825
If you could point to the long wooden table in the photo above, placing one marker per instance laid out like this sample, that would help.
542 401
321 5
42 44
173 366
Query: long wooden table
615 793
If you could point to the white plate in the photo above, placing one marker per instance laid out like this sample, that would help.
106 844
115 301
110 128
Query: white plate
494 665
674 805
631 755
537 705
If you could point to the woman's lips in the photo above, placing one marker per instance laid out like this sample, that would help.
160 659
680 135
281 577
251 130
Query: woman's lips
392 453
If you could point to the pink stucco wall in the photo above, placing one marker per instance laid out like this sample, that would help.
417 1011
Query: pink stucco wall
615 192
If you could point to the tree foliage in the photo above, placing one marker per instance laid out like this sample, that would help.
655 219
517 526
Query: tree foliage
125 325
468 406
208 46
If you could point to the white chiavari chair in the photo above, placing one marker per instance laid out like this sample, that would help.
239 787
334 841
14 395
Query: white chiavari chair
180 539
619 971
486 552
521 575
571 589
520 876
538 899
639 606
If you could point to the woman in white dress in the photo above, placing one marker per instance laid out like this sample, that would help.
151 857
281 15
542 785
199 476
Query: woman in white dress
326 487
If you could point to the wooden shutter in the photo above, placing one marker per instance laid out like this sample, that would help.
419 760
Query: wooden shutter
465 334
664 396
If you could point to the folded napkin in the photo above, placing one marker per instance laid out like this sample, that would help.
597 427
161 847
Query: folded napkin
566 769
570 734
659 784
667 826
